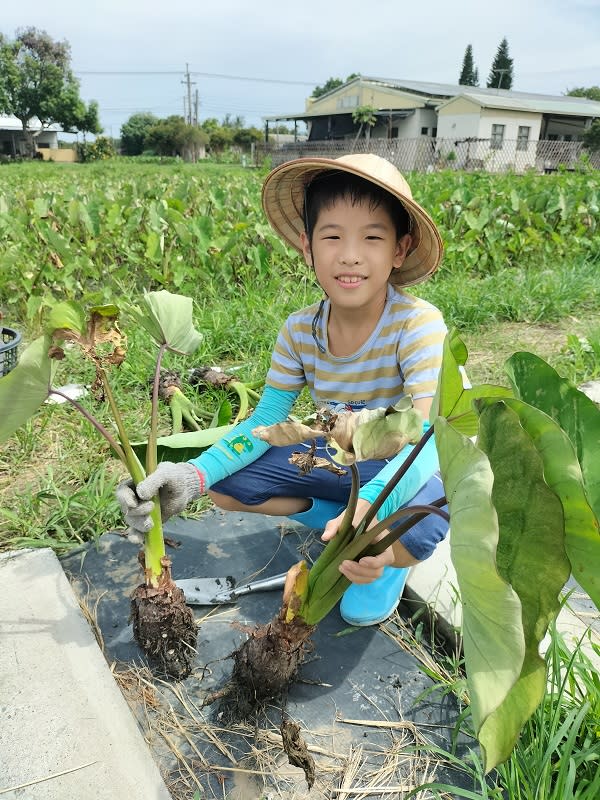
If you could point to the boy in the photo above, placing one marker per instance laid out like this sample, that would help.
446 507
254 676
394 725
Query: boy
365 345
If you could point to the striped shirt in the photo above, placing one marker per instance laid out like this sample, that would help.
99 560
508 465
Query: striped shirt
401 357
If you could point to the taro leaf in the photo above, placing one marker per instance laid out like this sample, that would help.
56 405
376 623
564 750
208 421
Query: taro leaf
284 433
538 384
68 316
530 556
222 415
67 320
25 387
453 400
493 638
385 436
354 436
563 475
168 319
182 446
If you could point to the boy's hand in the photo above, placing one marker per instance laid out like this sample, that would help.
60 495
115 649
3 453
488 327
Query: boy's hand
175 484
367 568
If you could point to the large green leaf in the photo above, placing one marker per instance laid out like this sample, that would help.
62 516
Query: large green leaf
538 384
183 446
493 637
530 556
67 316
168 319
454 397
563 475
25 387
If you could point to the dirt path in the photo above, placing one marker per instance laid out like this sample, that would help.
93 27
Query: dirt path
490 347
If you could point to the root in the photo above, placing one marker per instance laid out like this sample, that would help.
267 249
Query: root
164 627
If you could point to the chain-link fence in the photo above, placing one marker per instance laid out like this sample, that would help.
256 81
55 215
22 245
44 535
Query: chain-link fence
427 154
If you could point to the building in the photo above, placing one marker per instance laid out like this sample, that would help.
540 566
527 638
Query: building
12 138
435 123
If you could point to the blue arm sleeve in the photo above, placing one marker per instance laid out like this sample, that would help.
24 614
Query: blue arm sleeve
424 467
239 447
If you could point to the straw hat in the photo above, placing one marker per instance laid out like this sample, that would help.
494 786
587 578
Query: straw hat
283 202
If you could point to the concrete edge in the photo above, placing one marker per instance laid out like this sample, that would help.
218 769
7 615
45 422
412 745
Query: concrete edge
67 730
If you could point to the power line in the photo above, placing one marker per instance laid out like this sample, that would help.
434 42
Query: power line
118 73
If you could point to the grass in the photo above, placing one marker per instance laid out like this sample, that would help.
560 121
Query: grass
57 477
557 756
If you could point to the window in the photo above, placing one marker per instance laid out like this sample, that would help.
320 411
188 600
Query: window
434 132
424 131
348 101
394 133
497 136
523 137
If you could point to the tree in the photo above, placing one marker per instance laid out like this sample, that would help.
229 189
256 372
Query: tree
36 83
134 132
591 137
364 115
245 136
174 137
469 76
591 92
501 73
331 84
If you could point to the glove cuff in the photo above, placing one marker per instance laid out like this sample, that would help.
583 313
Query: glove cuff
195 482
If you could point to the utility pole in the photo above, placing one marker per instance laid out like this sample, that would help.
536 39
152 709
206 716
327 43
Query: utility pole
501 73
189 83
196 109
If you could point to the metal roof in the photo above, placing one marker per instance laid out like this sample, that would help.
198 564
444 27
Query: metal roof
9 123
440 93
534 103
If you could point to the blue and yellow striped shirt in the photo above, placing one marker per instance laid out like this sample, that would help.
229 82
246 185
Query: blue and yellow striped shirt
401 357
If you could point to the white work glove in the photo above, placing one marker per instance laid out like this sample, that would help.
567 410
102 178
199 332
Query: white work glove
175 484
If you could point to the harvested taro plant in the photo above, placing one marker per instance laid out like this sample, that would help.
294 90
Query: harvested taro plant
163 625
521 473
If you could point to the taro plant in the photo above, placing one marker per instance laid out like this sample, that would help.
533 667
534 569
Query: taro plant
521 474
163 625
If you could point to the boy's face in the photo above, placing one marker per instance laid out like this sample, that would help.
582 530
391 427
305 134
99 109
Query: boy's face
354 249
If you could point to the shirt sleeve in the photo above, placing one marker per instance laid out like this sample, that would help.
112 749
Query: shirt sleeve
420 352
239 447
287 371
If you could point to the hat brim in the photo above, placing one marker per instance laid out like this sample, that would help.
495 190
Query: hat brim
283 203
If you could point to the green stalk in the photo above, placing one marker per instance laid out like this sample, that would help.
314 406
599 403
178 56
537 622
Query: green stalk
418 512
393 482
242 393
154 545
131 461
151 456
117 449
344 534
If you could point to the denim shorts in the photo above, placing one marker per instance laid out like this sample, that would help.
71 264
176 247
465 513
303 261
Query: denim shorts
272 475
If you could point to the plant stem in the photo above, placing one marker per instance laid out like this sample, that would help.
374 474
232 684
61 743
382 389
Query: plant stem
151 457
393 482
415 513
133 465
242 393
97 424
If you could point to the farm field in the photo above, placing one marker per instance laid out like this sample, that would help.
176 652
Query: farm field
520 272
520 267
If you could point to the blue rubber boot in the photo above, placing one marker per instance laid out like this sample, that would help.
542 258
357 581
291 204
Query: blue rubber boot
370 603
319 514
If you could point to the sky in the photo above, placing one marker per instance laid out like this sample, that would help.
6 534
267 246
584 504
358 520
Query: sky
260 58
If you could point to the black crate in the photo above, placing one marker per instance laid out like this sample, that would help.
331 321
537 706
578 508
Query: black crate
9 342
